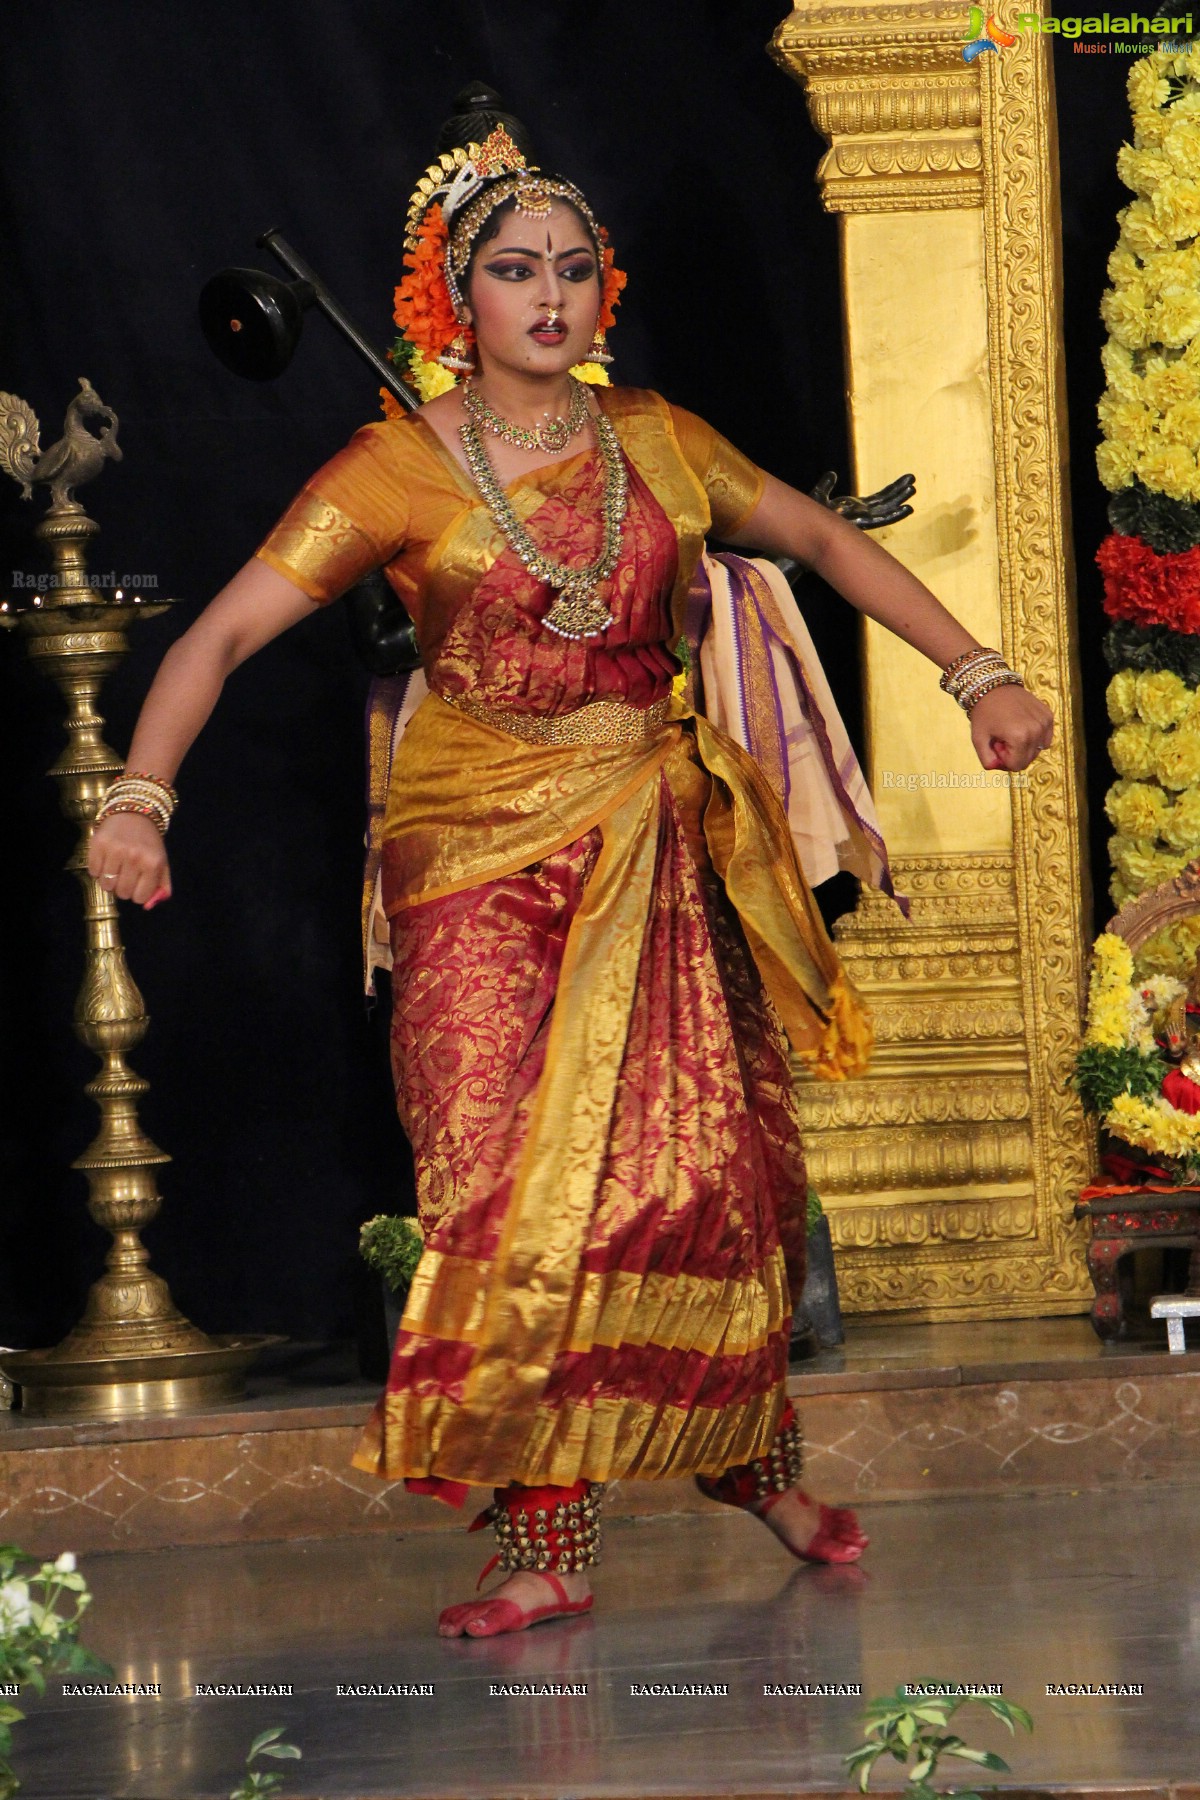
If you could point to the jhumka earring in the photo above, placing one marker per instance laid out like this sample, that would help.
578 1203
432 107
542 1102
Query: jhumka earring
599 351
459 354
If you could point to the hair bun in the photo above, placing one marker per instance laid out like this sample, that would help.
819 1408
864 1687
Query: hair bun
478 109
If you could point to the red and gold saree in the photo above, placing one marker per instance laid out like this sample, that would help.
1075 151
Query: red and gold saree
601 941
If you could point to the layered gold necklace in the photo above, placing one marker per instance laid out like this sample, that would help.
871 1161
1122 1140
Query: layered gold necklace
552 437
579 611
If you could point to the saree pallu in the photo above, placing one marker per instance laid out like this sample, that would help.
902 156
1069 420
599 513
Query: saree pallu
594 949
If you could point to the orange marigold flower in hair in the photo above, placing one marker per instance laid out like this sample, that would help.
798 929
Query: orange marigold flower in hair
424 311
611 283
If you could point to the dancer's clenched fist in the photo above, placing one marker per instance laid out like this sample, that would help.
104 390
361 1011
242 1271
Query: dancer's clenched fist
127 857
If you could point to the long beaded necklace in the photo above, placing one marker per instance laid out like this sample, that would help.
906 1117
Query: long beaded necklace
552 437
579 611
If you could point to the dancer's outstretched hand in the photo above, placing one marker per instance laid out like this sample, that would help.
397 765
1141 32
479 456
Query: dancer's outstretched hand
1009 727
127 857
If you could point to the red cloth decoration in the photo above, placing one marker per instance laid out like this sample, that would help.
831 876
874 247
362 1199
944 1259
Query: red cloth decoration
1181 1091
1137 1171
516 1499
1112 1190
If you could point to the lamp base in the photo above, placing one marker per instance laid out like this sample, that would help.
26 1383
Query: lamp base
129 1387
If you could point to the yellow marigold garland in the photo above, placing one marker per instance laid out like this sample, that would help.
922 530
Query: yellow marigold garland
1149 417
1109 992
1154 1125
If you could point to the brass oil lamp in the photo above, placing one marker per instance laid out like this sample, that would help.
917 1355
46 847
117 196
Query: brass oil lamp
132 1352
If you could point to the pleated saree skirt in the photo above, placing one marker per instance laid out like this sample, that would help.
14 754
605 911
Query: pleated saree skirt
610 1173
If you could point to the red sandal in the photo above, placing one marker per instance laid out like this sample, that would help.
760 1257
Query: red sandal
540 1531
490 1617
759 1485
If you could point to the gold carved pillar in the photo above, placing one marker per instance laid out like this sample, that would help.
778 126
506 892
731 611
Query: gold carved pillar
950 1170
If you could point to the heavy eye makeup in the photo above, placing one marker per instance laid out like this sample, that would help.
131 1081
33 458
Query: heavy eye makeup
517 268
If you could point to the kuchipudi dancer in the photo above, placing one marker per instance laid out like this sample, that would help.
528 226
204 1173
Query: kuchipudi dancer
602 940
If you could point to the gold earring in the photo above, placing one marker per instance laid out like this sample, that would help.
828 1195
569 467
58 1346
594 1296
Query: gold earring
598 351
459 354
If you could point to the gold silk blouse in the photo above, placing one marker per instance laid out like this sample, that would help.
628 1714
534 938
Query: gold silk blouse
395 498
468 803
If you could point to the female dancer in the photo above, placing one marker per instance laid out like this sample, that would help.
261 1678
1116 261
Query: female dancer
601 935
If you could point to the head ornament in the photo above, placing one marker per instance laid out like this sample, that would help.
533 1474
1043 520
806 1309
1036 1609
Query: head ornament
449 207
469 183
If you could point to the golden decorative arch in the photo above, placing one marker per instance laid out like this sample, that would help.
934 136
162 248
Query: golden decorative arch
949 1172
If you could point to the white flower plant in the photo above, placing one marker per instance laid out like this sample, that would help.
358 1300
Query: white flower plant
36 1638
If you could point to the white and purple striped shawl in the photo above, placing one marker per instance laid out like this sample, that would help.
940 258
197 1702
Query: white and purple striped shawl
756 674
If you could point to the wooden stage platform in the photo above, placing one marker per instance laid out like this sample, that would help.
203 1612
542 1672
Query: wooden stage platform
1030 1496
902 1413
1026 1591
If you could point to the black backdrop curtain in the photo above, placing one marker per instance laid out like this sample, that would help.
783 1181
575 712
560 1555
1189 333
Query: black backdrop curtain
144 148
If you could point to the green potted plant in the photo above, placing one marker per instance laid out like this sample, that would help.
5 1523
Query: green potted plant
392 1246
36 1639
911 1726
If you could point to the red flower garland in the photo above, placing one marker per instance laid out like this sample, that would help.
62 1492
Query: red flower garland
1148 587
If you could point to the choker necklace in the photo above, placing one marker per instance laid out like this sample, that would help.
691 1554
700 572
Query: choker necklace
552 437
579 611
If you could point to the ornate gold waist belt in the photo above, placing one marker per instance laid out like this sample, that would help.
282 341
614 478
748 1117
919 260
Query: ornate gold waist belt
595 722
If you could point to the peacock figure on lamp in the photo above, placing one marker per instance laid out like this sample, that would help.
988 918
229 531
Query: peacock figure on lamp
76 458
132 1351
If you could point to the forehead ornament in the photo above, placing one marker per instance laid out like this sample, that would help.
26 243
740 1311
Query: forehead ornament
470 183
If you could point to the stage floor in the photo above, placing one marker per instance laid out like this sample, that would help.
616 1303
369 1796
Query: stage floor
1021 1590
